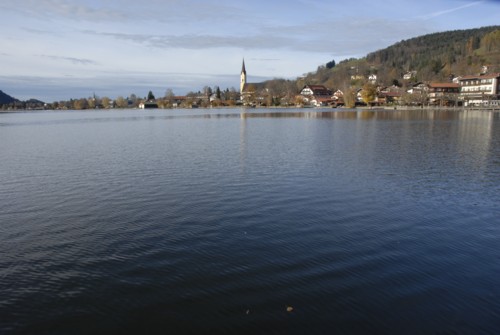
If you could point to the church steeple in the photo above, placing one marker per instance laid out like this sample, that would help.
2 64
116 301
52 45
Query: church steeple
243 70
243 77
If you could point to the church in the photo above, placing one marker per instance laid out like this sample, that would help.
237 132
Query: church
248 90
243 77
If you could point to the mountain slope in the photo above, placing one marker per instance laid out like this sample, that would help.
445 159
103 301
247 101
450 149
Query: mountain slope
6 99
433 57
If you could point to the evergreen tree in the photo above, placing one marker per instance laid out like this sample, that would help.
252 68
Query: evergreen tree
151 96
331 64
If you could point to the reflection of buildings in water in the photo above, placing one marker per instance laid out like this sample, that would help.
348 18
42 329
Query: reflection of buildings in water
474 137
301 114
362 114
473 131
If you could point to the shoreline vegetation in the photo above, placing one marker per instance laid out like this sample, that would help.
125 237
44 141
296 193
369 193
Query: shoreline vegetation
304 108
370 96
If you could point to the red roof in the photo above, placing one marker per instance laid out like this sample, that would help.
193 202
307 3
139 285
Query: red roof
317 87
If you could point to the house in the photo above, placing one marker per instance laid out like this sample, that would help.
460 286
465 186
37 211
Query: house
177 101
359 96
148 104
338 98
321 101
443 94
391 94
316 90
480 89
418 88
338 94
410 74
316 95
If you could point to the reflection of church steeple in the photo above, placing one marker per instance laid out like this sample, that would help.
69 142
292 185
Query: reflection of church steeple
243 77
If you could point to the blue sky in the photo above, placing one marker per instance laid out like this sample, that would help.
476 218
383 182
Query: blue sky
60 49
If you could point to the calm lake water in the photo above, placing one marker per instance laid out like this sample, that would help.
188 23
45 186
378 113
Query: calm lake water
250 222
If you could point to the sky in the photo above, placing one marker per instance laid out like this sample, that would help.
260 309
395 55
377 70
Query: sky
55 50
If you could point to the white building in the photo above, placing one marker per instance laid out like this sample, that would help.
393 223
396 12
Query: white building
480 90
409 75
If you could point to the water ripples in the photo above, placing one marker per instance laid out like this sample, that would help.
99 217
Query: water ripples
217 224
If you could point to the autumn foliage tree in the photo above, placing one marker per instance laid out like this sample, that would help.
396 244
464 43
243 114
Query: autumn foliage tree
491 41
350 97
369 93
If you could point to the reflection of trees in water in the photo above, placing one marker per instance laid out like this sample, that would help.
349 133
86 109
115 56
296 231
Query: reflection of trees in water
364 114
372 114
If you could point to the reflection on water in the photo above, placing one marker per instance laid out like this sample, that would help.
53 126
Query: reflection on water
189 222
134 115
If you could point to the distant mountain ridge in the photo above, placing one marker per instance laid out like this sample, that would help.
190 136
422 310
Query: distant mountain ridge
6 99
10 103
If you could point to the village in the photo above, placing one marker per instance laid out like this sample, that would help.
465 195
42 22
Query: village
480 90
470 90
476 90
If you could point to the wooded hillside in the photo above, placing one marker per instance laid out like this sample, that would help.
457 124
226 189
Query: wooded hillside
434 57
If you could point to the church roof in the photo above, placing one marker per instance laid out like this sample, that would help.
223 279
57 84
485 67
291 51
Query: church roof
253 87
243 70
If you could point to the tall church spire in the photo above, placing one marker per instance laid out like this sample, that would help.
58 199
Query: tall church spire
243 71
243 77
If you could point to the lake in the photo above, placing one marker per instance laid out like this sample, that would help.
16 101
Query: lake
258 221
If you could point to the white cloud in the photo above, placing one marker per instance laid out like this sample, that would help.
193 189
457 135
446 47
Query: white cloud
450 10
73 60
204 41
64 9
127 11
336 37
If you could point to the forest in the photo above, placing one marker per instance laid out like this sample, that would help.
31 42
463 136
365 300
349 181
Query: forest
435 57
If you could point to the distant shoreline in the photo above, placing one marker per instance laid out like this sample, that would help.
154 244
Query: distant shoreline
305 109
